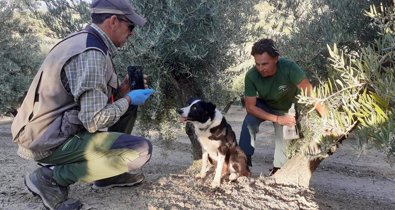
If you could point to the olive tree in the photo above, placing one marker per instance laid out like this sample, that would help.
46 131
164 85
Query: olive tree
186 48
359 95
61 17
19 55
302 29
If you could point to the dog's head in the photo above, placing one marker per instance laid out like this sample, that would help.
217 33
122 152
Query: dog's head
197 111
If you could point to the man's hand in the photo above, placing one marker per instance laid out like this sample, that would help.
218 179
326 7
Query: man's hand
321 109
286 120
312 149
124 88
138 97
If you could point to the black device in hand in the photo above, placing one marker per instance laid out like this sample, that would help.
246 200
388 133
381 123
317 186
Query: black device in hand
136 78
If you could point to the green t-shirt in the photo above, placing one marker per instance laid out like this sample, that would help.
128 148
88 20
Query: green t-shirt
279 90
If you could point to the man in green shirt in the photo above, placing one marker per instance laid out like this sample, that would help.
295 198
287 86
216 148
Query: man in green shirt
271 87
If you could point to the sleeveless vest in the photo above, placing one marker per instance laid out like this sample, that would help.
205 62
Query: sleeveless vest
49 115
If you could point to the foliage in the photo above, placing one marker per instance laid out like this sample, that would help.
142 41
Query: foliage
19 56
303 28
382 79
308 26
186 48
61 17
361 90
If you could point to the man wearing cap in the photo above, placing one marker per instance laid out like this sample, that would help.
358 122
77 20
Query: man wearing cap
76 93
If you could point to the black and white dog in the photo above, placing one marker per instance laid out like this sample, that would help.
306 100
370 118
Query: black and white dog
218 141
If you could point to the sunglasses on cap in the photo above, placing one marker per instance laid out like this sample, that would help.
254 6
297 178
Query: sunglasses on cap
130 24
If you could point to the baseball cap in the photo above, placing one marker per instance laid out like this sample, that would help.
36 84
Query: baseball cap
117 7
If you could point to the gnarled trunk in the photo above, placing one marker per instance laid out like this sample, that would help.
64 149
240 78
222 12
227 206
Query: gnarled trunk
299 169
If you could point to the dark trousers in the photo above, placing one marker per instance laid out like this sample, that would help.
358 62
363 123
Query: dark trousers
250 128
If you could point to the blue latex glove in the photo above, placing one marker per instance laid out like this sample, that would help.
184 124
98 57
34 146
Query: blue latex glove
139 96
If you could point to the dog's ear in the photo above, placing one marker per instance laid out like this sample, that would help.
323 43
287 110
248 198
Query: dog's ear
210 106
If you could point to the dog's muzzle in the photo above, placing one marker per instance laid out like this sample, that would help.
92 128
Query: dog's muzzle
182 118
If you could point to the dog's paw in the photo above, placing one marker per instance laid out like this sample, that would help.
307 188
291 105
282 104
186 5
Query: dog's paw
233 177
215 184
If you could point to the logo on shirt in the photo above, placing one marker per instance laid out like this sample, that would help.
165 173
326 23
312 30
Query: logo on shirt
282 88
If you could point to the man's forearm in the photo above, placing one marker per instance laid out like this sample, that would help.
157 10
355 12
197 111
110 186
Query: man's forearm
97 115
261 114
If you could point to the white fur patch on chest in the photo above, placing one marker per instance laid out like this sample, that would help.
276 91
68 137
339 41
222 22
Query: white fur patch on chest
202 131
208 145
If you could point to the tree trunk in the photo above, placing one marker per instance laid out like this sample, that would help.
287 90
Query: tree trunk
299 169
196 148
228 105
194 90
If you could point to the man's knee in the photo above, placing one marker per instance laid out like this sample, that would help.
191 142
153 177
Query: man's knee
136 143
147 146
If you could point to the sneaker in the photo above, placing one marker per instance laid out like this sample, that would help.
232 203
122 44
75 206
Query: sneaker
54 196
122 180
273 171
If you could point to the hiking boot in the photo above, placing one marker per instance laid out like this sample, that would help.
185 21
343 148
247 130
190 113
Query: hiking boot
122 180
54 196
273 171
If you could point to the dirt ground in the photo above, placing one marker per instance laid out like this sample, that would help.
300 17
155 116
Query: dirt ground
350 179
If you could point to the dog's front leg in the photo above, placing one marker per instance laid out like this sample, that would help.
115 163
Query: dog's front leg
203 170
218 171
